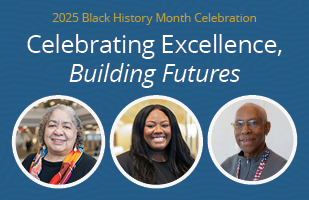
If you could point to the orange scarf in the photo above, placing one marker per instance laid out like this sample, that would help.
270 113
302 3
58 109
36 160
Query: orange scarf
68 165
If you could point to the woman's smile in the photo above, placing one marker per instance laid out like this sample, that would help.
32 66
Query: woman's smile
57 141
158 139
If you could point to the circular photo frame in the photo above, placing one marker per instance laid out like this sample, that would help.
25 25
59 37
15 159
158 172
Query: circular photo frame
222 143
25 138
120 138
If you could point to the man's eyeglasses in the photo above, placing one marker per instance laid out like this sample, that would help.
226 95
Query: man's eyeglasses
252 124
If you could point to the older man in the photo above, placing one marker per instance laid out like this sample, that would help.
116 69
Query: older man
255 161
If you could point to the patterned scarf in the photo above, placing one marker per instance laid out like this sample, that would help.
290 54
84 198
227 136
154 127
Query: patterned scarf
68 165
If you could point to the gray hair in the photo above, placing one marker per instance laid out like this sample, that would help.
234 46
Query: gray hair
262 112
77 123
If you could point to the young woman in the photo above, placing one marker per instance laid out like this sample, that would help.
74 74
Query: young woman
158 152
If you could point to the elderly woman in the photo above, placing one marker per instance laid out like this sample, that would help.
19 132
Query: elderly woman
61 159
158 152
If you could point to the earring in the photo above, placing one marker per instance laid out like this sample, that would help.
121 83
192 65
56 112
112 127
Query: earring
75 148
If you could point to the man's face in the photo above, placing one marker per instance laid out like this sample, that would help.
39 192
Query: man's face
251 136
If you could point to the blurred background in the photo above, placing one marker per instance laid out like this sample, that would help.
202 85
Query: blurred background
26 136
122 135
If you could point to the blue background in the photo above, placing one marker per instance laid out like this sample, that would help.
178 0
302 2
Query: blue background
26 77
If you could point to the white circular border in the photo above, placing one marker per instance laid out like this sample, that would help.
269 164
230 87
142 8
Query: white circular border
75 182
248 97
161 185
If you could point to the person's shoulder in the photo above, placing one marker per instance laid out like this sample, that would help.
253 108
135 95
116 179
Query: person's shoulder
277 159
86 164
273 165
84 167
29 157
28 160
88 160
230 161
126 162
124 157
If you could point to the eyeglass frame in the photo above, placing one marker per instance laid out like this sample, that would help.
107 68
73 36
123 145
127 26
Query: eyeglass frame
244 122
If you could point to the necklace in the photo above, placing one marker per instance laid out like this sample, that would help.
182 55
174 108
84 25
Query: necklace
260 168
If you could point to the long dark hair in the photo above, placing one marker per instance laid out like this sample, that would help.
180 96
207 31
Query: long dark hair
179 159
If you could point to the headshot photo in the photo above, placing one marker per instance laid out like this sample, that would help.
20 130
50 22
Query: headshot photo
156 142
252 139
58 141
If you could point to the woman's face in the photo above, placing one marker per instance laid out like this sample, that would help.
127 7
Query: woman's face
157 130
60 133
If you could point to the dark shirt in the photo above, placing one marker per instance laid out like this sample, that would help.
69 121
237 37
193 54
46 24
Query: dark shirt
163 168
50 169
162 171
